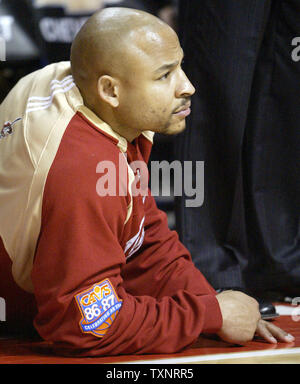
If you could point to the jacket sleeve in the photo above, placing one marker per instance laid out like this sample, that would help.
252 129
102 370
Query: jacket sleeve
163 266
79 258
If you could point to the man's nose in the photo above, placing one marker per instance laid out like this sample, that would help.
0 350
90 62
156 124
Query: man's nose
185 88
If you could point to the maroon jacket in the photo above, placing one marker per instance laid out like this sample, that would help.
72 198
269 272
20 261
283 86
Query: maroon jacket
108 275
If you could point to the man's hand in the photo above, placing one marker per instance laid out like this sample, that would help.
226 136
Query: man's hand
242 320
240 314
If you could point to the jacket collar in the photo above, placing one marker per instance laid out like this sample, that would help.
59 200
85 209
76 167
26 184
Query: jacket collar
122 143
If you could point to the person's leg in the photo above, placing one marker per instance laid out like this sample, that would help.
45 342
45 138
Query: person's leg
221 40
272 157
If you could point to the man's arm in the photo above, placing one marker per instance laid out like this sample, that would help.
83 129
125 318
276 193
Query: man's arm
78 263
164 266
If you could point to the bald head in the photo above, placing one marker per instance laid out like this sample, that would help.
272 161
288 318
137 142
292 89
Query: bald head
105 43
127 65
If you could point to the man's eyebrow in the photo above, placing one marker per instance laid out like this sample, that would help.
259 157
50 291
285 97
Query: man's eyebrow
166 67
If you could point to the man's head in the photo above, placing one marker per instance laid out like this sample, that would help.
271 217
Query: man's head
127 65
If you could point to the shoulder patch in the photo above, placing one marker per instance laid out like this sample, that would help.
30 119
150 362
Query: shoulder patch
99 306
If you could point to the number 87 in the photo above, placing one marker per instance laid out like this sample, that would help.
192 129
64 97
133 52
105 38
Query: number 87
108 302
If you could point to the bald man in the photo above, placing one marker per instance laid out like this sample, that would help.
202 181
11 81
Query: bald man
84 237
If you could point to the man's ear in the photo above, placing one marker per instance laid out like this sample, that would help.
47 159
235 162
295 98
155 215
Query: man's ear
108 90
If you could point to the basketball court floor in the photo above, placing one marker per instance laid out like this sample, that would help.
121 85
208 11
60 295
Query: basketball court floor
205 351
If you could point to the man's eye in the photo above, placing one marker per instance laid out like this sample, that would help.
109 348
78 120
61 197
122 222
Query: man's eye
165 76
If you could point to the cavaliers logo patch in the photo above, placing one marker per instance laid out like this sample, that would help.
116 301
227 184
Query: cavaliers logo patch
99 306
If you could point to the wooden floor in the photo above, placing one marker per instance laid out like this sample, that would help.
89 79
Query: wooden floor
205 351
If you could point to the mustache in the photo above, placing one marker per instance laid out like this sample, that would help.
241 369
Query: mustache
185 102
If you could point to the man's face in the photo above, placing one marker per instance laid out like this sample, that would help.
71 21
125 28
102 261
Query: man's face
154 92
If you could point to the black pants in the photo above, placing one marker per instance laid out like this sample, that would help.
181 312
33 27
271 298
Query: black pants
245 126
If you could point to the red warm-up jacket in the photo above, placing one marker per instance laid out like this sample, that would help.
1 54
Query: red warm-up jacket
107 274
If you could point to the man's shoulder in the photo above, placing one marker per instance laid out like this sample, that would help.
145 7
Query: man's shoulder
86 145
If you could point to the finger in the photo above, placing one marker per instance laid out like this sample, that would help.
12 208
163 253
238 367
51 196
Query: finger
272 333
279 333
263 332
